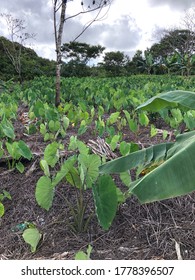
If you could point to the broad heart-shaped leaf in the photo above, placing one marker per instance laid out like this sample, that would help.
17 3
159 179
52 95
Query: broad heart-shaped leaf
65 122
113 118
124 148
44 192
183 99
24 150
89 168
51 154
13 150
106 200
174 177
135 159
7 129
32 236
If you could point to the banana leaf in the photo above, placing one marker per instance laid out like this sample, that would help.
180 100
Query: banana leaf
174 177
143 157
180 98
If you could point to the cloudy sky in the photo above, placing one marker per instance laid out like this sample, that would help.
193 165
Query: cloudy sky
128 25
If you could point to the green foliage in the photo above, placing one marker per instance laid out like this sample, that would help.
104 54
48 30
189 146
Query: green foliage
106 200
7 129
81 52
51 154
114 63
81 172
4 195
44 192
32 65
18 150
32 237
89 169
183 99
82 255
107 106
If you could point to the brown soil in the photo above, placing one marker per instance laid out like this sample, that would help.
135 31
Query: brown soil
143 232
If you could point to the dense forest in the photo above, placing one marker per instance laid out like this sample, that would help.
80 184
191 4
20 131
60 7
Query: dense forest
173 54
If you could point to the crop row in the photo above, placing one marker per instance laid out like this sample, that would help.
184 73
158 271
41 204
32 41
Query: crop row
99 108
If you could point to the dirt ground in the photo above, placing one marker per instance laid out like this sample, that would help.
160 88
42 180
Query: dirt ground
160 230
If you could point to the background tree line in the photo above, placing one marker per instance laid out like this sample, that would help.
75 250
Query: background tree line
173 54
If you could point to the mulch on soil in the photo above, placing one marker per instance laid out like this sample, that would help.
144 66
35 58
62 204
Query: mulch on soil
160 230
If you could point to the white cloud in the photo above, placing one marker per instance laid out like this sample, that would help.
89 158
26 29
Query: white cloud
127 27
173 4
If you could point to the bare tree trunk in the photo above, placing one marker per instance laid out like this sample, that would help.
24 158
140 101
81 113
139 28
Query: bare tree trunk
58 74
58 40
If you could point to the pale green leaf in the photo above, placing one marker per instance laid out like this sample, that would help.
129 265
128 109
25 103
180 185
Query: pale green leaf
44 192
20 167
51 154
32 237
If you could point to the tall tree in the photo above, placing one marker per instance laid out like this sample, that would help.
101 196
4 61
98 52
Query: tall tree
135 66
82 52
60 18
178 43
114 63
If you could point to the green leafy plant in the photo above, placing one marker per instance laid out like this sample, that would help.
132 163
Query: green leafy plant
53 129
6 129
32 236
132 122
82 172
17 151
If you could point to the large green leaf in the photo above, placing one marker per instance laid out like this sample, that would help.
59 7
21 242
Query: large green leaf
184 99
44 192
174 177
51 154
143 157
13 150
8 129
106 200
24 150
32 236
